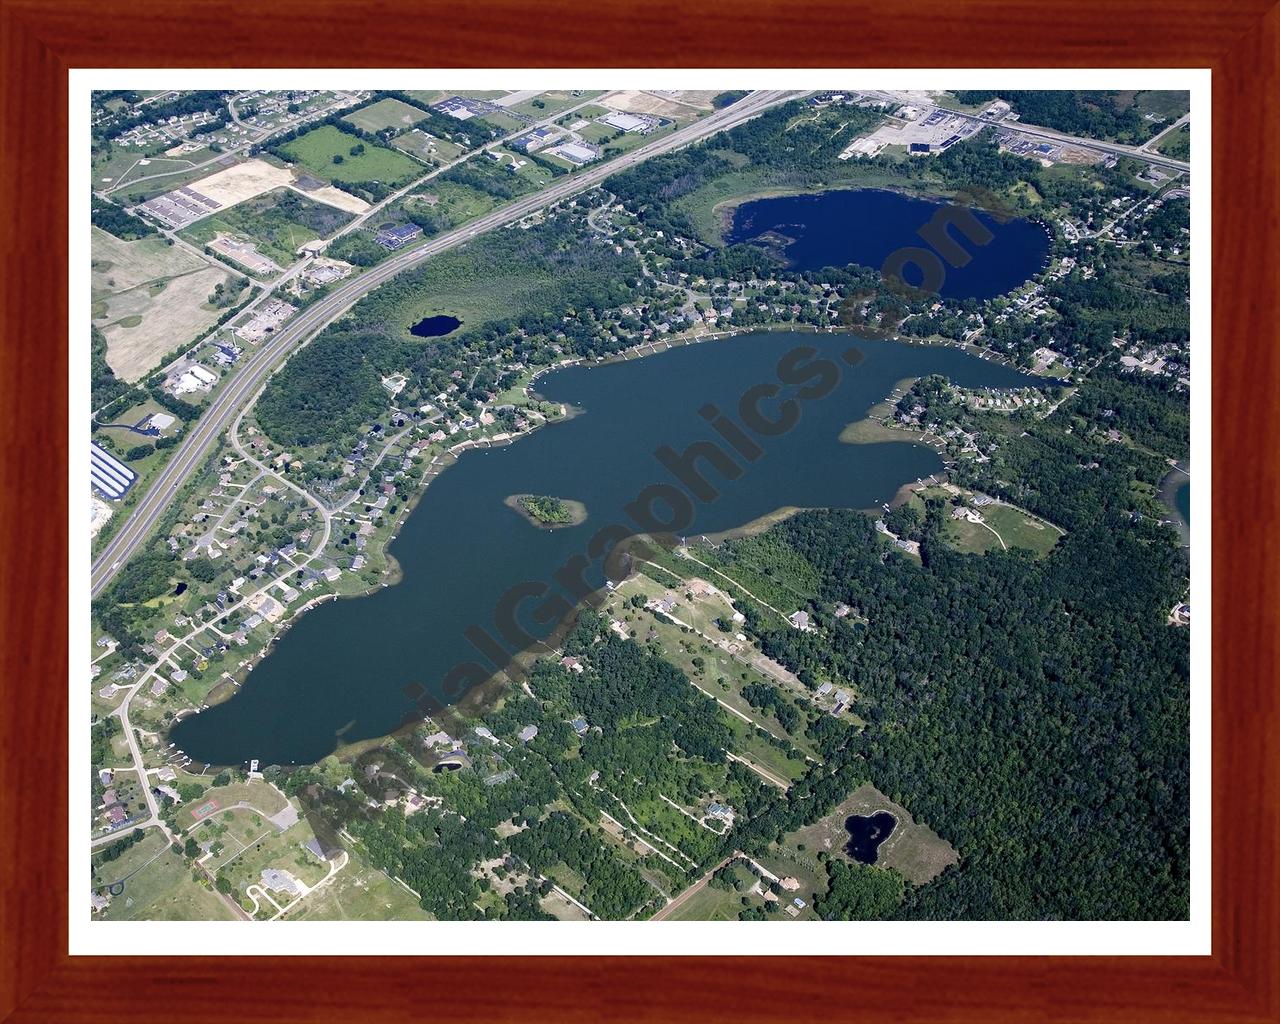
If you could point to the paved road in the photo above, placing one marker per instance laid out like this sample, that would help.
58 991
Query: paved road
1114 148
311 320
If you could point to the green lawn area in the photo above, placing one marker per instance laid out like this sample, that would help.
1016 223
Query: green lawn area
261 795
427 147
552 102
277 222
280 850
1167 103
709 904
360 892
164 890
1177 144
387 113
1015 528
317 149
504 122
455 203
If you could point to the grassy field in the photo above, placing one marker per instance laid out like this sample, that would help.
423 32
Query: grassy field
360 892
149 298
455 203
427 147
1177 144
552 102
1165 103
261 795
277 222
913 849
709 904
280 850
504 122
317 149
162 889
388 113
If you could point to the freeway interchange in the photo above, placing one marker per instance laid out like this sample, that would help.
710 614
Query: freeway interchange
256 369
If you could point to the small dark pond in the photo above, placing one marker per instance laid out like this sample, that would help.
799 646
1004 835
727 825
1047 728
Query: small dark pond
866 833
435 326
181 588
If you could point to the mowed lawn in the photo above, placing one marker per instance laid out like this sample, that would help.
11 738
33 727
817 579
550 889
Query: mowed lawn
388 113
317 149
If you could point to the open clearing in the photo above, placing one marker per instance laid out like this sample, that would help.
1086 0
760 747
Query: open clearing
388 113
243 181
913 850
149 299
359 892
317 149
164 890
678 105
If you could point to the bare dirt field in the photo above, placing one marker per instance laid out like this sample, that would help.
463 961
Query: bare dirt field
674 105
148 299
335 197
243 181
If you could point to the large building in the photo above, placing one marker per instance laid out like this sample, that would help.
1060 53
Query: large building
397 237
625 122
108 474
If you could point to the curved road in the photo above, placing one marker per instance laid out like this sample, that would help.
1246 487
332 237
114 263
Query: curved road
272 353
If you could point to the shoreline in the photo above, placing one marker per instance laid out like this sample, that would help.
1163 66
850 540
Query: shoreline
394 573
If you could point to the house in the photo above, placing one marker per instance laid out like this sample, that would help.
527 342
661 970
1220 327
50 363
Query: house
527 733
178 675
277 880
166 774
721 812
572 664
117 815
105 775
579 725
800 620
332 573
158 687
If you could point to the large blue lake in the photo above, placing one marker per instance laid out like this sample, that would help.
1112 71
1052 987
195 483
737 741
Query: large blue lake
341 672
867 226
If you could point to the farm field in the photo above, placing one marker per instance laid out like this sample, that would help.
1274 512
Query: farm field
387 113
317 149
149 299
278 223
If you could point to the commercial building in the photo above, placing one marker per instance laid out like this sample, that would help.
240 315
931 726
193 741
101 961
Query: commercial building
109 475
397 237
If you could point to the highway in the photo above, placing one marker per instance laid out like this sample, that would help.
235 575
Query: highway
1113 148
306 324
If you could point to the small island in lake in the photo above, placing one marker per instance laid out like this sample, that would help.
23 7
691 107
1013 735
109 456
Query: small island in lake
544 510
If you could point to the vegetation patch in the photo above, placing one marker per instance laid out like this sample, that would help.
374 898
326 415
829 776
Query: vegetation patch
548 512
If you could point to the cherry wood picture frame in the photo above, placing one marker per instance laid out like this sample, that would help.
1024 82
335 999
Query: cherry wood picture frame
41 39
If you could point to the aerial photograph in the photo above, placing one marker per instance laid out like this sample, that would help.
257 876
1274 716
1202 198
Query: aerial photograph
638 505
